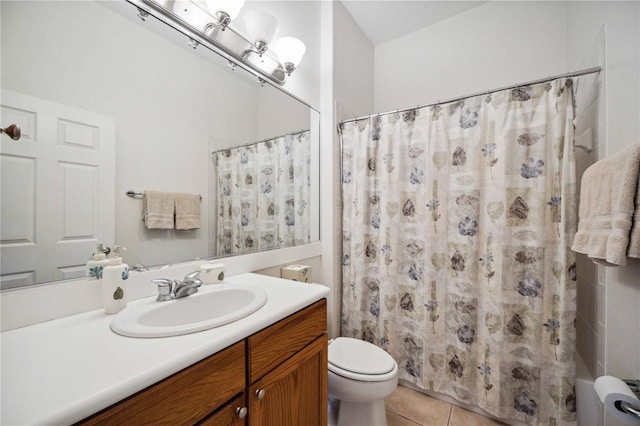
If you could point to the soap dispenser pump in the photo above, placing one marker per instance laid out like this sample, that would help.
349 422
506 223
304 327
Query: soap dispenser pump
114 275
98 262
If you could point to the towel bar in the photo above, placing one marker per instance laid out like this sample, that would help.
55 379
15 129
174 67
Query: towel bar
133 194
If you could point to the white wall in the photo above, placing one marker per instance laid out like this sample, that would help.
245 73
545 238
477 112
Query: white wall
353 71
328 268
617 294
348 86
489 46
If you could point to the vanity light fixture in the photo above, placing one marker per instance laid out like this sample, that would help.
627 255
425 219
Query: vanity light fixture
224 11
290 51
262 29
210 23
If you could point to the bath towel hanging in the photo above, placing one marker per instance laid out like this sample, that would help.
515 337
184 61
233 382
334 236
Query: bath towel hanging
608 228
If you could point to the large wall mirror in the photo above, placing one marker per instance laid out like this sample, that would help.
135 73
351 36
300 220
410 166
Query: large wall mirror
109 104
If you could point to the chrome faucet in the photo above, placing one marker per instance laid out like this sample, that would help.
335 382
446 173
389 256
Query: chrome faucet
176 289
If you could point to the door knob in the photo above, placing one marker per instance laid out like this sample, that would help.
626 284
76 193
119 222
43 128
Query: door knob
12 131
260 393
241 412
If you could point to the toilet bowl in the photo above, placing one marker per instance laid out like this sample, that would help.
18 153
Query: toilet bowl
361 375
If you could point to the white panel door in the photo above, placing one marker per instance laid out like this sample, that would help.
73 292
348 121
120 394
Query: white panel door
58 189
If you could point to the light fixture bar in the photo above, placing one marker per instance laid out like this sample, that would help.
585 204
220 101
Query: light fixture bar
196 23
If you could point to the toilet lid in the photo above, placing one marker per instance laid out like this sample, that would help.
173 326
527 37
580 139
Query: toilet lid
360 357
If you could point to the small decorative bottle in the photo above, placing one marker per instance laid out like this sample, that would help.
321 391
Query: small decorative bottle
98 262
114 293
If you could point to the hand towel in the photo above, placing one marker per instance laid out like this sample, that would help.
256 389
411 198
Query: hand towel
187 211
608 206
634 238
157 210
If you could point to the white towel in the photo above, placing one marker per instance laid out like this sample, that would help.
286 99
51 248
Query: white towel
187 211
608 229
157 210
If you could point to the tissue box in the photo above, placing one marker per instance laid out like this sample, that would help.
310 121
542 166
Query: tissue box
300 273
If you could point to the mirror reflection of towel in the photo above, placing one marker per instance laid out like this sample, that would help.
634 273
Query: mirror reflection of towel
157 210
187 208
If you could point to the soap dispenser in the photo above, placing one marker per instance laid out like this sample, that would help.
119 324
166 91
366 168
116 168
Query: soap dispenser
114 275
98 262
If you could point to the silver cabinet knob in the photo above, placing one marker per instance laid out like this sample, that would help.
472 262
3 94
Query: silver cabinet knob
241 412
260 393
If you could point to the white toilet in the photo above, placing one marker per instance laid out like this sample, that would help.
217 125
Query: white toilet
361 375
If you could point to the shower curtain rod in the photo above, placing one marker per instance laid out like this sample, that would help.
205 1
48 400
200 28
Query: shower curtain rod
261 141
485 92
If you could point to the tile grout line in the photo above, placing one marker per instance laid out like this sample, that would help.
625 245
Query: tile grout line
450 413
406 418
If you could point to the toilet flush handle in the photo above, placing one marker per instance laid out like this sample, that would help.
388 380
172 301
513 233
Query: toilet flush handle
260 393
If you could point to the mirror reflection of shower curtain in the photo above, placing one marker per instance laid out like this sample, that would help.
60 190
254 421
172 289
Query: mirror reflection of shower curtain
457 222
263 193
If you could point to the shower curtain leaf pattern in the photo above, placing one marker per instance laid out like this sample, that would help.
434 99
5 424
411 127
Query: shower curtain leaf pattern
457 222
262 193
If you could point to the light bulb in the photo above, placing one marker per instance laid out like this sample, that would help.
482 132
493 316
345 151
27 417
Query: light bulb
261 28
290 51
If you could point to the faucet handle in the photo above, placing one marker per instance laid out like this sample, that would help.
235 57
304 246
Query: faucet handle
164 289
192 275
192 279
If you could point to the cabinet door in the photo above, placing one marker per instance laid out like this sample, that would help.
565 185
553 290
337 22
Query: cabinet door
295 393
230 414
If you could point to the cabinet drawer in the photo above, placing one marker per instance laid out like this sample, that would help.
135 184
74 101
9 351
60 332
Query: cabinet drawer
185 397
228 414
270 347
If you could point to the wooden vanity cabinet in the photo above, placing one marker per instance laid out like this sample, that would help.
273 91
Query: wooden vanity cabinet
278 376
184 398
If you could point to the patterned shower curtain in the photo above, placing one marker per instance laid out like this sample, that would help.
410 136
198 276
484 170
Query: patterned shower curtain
262 195
457 224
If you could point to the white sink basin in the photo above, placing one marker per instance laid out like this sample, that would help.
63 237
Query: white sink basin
211 307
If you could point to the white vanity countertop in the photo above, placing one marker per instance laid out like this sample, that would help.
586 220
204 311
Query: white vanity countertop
62 371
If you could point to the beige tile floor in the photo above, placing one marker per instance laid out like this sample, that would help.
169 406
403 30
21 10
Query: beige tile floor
406 407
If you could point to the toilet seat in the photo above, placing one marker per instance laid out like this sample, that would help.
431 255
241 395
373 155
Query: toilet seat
359 360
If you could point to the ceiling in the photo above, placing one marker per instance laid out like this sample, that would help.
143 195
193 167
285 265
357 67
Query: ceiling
385 20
